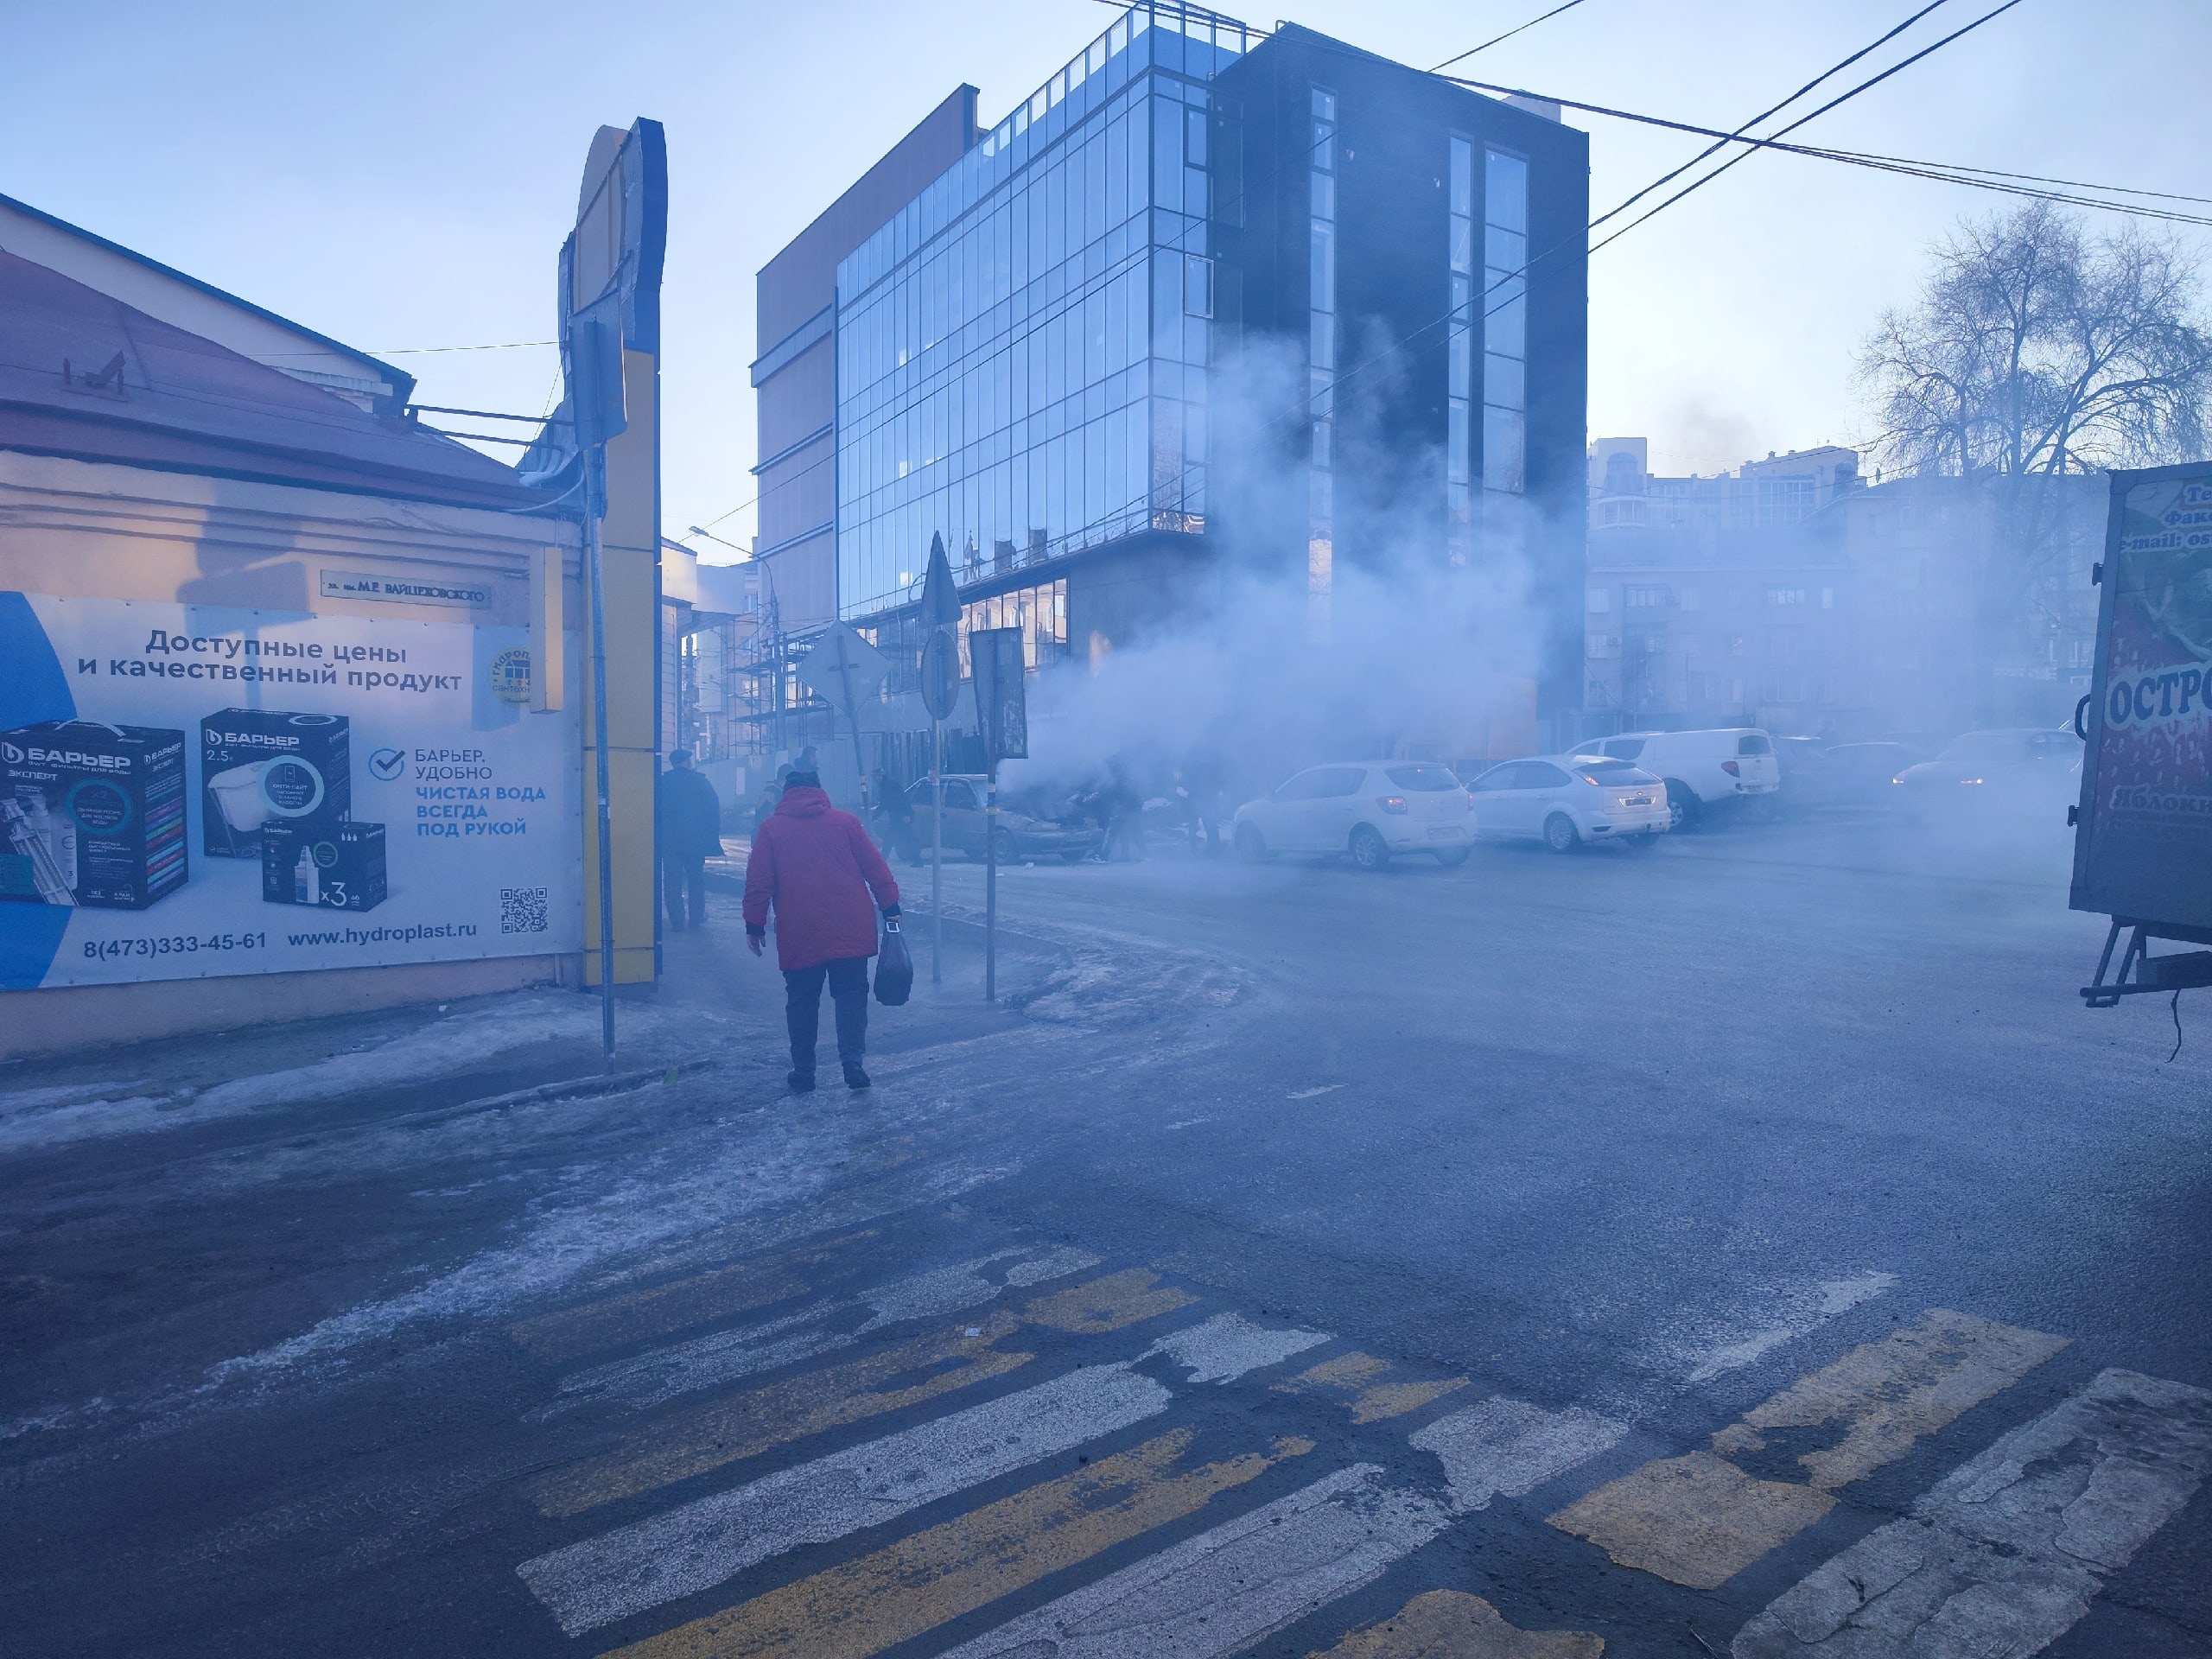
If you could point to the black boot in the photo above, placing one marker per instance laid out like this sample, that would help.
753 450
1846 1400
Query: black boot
802 1083
855 1077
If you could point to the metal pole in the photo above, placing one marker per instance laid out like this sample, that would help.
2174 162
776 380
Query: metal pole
991 884
594 488
936 852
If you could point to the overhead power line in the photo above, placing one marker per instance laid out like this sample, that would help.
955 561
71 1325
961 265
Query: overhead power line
1509 33
1700 182
1975 178
1721 143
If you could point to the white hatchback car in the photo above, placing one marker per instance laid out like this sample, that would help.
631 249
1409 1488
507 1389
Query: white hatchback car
1369 808
1564 800
1702 770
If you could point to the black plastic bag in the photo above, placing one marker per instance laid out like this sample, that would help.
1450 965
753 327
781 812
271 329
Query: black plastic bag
894 967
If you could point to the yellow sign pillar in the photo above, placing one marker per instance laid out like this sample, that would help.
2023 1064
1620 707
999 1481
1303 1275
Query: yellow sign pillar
629 542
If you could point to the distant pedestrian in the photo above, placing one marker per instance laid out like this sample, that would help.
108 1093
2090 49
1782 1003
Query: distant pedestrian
894 812
816 867
687 832
1125 806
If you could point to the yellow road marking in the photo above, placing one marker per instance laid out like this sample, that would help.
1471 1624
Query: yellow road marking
919 1582
724 1431
1699 1520
1107 1304
719 1432
659 1310
1889 1394
1452 1624
1356 1380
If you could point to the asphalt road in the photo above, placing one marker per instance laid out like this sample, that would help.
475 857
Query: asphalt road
1751 1247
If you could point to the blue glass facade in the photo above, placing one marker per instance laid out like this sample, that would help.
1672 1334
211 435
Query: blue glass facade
1022 351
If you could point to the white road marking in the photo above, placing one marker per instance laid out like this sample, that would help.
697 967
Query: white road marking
1056 1263
1778 1315
1310 1094
704 1542
1508 1448
2002 1555
724 1356
705 1362
1228 1345
1218 1593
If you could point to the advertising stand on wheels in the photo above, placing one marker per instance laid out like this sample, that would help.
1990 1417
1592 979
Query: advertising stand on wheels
2143 828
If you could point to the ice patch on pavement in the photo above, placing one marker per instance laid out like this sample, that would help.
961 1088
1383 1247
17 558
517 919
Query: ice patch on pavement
35 1118
451 1044
676 1194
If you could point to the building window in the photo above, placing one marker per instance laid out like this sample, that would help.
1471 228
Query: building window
1645 598
1505 321
1785 595
1041 613
1460 352
1321 368
1601 601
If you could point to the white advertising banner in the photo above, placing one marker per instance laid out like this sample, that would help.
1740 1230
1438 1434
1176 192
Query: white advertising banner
193 791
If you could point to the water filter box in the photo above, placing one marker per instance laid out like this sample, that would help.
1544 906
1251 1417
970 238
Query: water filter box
334 865
92 814
263 765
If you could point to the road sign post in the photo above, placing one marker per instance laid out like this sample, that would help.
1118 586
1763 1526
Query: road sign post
940 692
1002 717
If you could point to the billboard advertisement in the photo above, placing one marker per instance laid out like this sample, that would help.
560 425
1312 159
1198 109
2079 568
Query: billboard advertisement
190 790
2142 849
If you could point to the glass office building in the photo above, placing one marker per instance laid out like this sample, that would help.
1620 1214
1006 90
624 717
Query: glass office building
1022 350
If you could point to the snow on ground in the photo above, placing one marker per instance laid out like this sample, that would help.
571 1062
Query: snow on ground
32 1119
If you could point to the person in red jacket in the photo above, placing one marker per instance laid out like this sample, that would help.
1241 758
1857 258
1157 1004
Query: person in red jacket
817 868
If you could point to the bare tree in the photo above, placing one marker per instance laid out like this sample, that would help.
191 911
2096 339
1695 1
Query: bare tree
2036 353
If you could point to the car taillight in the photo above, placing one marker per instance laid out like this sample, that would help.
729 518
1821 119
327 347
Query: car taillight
1731 768
1587 778
1391 803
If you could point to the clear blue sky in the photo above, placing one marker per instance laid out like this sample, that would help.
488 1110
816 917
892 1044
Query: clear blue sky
401 175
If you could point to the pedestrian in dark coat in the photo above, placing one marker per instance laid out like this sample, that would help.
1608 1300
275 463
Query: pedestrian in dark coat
687 832
816 867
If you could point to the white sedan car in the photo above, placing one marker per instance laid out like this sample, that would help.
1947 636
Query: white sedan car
1369 808
1564 800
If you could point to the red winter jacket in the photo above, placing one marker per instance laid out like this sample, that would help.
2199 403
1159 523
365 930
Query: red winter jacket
817 866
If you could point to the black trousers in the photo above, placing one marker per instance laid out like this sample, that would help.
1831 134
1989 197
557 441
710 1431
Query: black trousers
675 874
848 982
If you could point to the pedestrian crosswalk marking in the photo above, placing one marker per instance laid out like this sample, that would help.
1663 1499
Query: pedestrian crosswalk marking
722 1431
1502 1447
1359 1381
1217 1593
861 1607
1452 1624
1700 1519
661 1309
1109 1304
2002 1555
1228 1345
721 1357
703 1543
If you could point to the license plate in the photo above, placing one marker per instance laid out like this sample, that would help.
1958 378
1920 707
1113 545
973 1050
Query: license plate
1444 835
1636 800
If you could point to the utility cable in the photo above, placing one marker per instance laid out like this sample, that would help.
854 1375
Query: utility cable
1510 33
1875 80
1668 178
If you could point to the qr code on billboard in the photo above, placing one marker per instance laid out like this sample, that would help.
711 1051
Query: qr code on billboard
522 910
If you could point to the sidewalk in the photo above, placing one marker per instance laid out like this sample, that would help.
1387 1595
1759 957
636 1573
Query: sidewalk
716 1006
